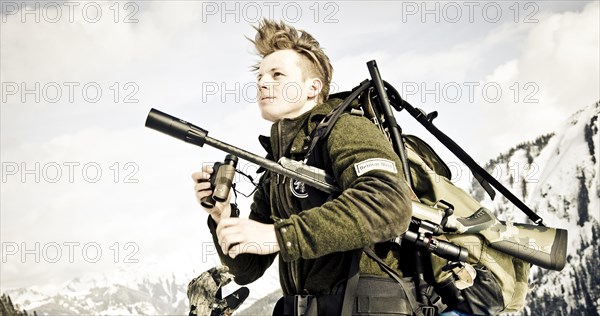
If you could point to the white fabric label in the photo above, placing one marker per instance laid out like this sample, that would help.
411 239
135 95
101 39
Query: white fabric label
375 164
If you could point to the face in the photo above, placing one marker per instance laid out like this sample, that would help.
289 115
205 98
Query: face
283 92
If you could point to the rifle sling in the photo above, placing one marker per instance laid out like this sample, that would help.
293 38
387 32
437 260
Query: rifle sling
484 178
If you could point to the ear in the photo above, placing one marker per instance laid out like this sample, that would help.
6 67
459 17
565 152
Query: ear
315 87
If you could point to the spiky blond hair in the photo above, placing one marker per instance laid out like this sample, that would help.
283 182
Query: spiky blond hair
272 36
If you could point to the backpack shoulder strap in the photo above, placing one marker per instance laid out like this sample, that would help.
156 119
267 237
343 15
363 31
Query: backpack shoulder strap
324 127
419 309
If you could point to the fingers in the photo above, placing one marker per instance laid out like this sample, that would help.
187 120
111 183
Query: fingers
238 249
229 233
228 225
203 188
239 235
201 184
202 175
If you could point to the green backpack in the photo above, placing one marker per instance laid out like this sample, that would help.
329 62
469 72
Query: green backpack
490 281
500 284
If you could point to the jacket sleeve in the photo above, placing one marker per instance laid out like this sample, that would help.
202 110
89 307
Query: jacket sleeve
373 207
247 268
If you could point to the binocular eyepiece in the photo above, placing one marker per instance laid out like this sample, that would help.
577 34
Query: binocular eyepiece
220 181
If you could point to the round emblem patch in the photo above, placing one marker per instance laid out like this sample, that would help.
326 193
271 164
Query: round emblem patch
298 189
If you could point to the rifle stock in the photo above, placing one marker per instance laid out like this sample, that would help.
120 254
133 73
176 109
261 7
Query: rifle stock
542 246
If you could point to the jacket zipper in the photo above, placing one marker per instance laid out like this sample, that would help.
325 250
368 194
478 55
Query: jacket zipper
292 266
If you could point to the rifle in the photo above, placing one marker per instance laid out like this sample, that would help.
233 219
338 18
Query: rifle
542 246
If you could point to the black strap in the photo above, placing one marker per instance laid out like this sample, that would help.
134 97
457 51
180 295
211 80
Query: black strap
484 178
409 295
324 128
351 284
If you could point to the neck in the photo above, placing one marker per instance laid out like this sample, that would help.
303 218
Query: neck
309 105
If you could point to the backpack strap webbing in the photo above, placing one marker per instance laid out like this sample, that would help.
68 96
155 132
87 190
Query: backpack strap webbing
324 128
418 309
351 284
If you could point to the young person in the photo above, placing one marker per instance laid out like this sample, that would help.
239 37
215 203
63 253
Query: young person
315 244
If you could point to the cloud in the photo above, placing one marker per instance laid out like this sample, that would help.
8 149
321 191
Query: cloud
561 55
556 74
498 88
91 37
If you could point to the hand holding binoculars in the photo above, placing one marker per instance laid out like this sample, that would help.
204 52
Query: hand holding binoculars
220 180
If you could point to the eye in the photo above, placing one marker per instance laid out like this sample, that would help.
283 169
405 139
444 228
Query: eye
277 73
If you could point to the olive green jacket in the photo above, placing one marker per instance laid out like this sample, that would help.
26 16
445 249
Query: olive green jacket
316 243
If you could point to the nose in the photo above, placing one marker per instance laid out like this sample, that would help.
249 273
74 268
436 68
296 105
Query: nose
263 83
262 88
265 88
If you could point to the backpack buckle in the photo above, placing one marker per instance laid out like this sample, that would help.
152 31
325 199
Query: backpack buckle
428 310
301 303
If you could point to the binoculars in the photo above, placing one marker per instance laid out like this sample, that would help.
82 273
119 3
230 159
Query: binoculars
220 181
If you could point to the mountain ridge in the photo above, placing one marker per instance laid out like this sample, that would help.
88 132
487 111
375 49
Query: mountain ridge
563 188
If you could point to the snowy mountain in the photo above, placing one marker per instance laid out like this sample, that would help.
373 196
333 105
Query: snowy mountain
145 290
123 292
557 175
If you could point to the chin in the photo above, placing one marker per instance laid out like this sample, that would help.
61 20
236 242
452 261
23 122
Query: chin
268 117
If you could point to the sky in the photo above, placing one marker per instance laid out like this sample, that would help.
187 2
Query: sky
86 188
